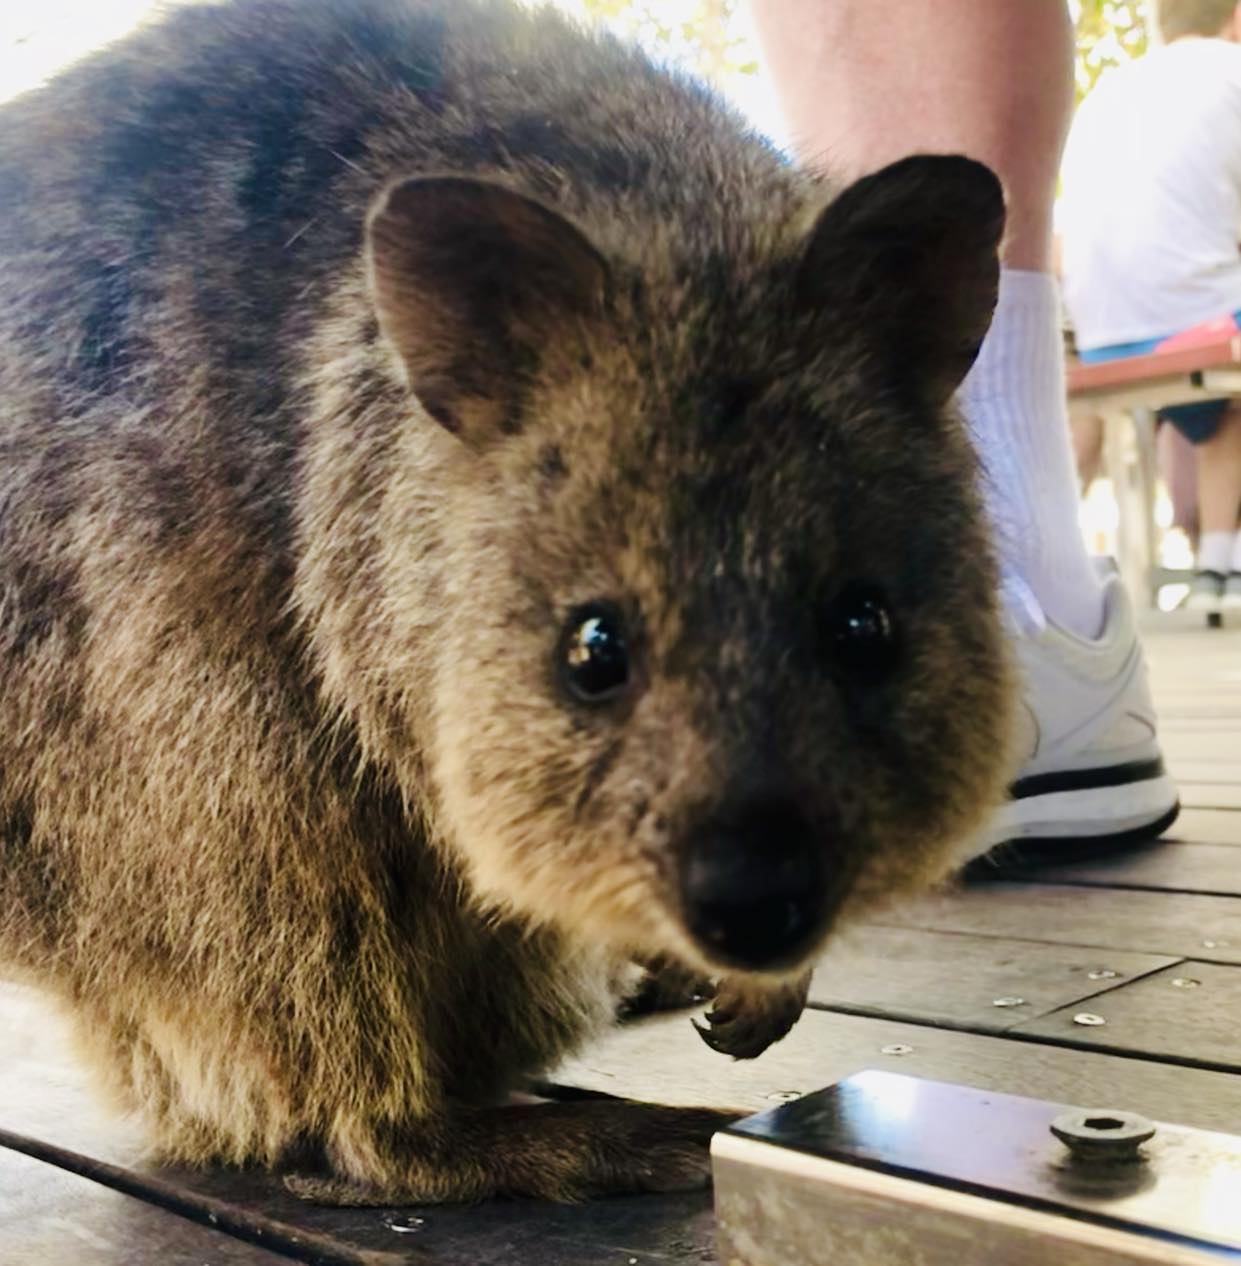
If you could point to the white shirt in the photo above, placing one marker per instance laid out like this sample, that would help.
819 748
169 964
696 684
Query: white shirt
1150 215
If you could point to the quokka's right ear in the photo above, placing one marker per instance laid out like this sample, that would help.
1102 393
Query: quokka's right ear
909 255
471 282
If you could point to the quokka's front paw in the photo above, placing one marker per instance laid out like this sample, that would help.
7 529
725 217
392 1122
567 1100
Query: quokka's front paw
745 1020
665 985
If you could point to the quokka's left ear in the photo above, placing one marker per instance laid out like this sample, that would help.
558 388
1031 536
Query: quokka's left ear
470 282
912 253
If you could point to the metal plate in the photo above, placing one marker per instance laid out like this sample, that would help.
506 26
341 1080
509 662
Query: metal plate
954 1141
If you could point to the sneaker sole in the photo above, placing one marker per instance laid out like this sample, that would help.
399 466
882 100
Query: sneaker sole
1079 814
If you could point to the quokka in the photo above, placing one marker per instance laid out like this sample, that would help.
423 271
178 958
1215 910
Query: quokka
472 516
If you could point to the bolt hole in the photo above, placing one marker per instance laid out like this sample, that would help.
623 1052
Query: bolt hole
1103 1123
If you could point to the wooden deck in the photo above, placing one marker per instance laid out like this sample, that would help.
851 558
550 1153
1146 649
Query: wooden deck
1105 984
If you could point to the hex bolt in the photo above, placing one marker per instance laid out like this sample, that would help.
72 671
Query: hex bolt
1102 1134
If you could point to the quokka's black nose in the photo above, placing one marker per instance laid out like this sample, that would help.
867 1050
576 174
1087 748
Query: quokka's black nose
755 885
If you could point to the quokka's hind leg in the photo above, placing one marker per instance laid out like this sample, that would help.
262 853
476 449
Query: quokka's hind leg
198 1102
557 1151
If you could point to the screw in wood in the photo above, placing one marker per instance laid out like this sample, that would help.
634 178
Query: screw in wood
784 1096
1186 982
1008 1002
402 1224
1089 1019
896 1048
1102 973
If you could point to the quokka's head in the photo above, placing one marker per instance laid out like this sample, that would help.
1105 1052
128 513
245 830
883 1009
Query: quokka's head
719 656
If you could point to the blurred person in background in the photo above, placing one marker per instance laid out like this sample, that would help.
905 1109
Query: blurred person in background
1150 220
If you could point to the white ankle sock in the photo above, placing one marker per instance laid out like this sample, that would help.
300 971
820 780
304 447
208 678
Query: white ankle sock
1216 551
1236 552
1014 402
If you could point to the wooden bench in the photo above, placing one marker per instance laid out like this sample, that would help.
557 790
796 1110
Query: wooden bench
1127 394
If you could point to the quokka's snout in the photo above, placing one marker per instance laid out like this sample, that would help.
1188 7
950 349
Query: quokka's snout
756 883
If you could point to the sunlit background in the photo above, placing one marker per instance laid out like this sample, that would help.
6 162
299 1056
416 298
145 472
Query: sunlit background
713 38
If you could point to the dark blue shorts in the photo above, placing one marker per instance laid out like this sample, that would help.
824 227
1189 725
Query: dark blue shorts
1197 422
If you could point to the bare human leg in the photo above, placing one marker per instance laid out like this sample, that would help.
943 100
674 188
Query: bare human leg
862 84
1219 476
1217 462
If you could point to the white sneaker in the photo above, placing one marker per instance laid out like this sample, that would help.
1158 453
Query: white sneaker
1206 592
1093 777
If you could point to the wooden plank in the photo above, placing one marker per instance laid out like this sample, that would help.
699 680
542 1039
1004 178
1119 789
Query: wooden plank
946 977
1186 1012
1182 747
1207 826
1185 643
1224 729
664 1059
654 1230
1217 771
1206 682
1169 635
50 1216
1191 649
1211 795
44 1093
1195 664
650 1231
1196 653
1194 658
1180 708
1163 866
1203 687
1145 922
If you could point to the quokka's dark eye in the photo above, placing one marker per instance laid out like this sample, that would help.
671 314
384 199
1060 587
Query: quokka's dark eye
594 656
861 633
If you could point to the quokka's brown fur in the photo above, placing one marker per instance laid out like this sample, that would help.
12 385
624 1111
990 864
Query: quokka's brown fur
305 463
